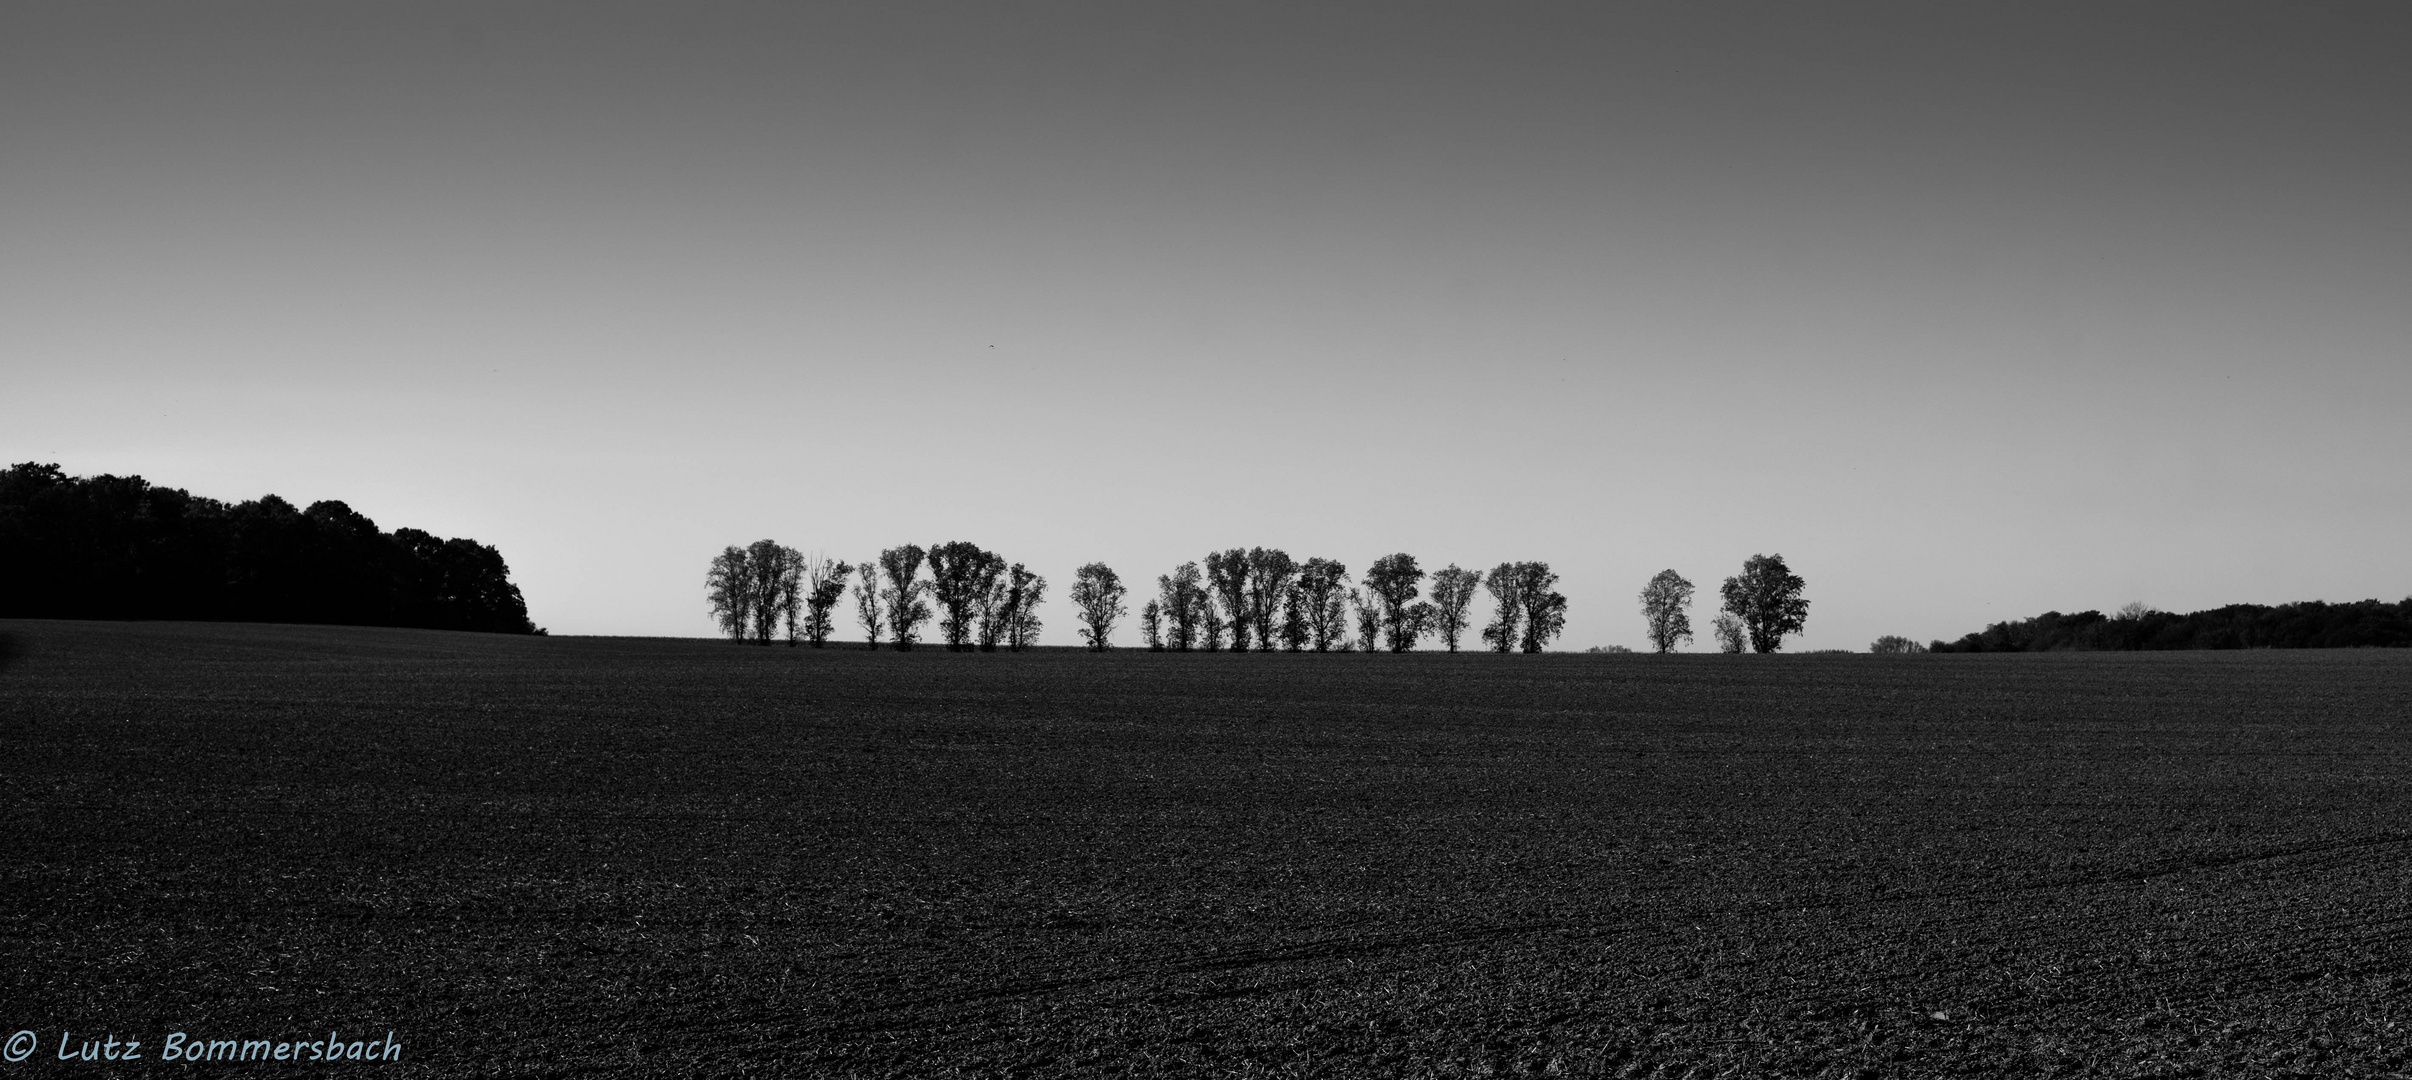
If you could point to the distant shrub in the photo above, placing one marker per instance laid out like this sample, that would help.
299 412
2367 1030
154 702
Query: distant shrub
1895 643
1607 649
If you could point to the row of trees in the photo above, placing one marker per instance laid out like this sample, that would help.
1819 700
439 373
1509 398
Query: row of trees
765 590
1252 598
1263 599
1240 598
119 547
1760 607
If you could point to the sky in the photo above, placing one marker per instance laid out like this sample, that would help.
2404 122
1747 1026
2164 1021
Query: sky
1970 311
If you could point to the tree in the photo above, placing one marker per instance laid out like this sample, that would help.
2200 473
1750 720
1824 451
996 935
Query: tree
1452 593
1666 603
1023 594
1185 605
1323 599
1766 597
1895 643
961 577
1097 591
1295 630
1507 616
1227 579
1369 618
824 586
1270 573
1211 623
1392 583
1731 637
1151 624
866 604
777 581
902 594
730 586
1544 607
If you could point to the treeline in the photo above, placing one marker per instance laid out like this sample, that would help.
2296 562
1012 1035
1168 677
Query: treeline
1244 599
2309 625
118 547
766 589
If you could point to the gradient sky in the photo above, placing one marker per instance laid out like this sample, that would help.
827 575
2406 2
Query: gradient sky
1970 311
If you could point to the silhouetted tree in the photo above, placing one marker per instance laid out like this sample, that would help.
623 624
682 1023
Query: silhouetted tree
1507 615
1227 580
1393 582
778 584
1452 594
902 594
1732 636
1296 630
1024 592
730 587
1895 643
1368 608
1323 597
1097 591
867 609
961 577
1270 572
1544 607
1151 625
1185 606
1766 597
824 586
1666 602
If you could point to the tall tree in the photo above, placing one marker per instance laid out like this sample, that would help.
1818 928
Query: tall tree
1024 592
1393 582
1452 593
824 586
867 610
729 585
1544 607
1504 583
1323 595
1211 623
1296 632
901 567
1766 597
1666 610
1227 579
1151 625
1097 591
961 578
1369 618
778 585
1270 571
1183 594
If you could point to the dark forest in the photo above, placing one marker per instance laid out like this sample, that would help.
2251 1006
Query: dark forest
2312 624
119 547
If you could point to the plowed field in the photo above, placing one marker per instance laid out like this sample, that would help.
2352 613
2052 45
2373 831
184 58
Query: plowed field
636 857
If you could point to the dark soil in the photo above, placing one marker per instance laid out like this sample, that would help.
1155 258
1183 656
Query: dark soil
580 857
